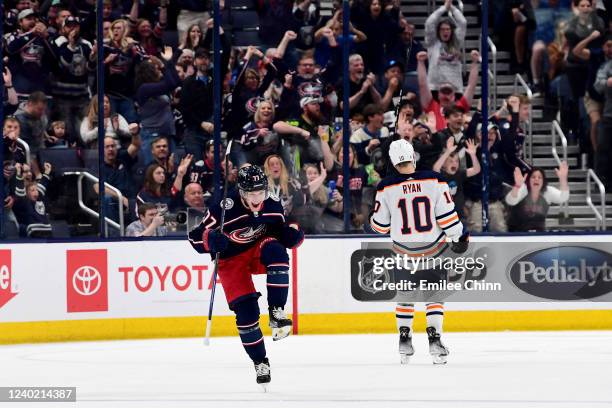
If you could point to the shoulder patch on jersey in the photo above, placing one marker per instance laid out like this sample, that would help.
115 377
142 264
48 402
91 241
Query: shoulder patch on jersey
228 203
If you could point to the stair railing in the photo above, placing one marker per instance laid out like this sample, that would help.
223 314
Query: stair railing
600 216
518 80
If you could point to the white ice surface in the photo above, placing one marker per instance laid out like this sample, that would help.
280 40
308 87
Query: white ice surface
507 369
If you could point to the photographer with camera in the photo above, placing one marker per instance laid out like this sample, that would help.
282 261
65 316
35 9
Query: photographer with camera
150 223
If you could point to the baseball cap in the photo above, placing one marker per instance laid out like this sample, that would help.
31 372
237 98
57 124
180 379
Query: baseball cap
202 53
25 13
447 88
310 99
394 63
401 151
71 20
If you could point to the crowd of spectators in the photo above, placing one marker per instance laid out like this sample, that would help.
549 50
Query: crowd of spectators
282 104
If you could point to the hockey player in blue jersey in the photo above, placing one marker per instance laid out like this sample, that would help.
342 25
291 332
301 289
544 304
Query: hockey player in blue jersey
254 240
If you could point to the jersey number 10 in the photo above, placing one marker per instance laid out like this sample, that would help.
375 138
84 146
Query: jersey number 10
420 205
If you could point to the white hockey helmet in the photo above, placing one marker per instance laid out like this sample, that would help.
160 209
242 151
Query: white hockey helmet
401 151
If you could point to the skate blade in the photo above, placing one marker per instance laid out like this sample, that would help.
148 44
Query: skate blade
404 358
264 387
281 332
439 360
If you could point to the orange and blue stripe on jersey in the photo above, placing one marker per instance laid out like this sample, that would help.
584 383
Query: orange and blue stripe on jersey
448 220
427 251
378 227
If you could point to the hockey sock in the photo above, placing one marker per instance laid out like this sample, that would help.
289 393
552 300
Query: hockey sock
247 322
278 284
274 257
404 314
434 315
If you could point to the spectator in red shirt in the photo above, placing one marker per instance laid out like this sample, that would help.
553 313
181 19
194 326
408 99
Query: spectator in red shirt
447 93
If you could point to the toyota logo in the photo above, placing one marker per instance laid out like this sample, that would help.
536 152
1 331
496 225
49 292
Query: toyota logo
86 280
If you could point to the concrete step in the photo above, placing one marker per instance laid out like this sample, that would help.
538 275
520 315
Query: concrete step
550 162
577 211
541 150
582 224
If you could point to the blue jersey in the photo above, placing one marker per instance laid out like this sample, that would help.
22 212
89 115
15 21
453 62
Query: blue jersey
242 226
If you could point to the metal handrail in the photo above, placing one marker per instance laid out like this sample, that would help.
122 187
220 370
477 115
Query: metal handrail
518 79
94 179
492 72
601 216
555 132
26 148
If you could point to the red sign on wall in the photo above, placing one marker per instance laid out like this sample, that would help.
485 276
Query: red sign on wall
6 293
87 280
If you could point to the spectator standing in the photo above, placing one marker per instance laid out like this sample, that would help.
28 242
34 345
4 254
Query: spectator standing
531 197
155 82
115 125
379 27
121 55
30 54
192 12
578 29
447 93
69 86
473 187
444 39
362 90
196 103
405 49
603 85
32 117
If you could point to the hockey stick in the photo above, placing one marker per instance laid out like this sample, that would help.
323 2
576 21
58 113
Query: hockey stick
397 109
216 269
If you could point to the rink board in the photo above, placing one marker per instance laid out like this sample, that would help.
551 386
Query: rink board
144 289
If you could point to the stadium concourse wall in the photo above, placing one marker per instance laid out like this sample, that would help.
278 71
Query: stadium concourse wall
128 289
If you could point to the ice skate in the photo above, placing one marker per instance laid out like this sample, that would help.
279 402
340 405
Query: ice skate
405 345
280 324
438 351
263 374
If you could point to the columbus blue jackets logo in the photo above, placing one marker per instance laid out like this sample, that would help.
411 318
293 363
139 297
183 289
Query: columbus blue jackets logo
228 203
247 234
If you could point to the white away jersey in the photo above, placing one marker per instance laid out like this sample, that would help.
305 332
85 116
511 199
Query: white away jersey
418 210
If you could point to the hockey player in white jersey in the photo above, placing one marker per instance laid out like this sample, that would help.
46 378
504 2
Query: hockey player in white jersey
416 207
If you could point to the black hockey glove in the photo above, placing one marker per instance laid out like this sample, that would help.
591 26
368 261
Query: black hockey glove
291 237
461 245
215 241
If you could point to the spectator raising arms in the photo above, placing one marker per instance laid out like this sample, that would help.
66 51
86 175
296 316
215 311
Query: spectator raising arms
155 187
530 200
121 55
29 54
155 81
446 93
444 39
